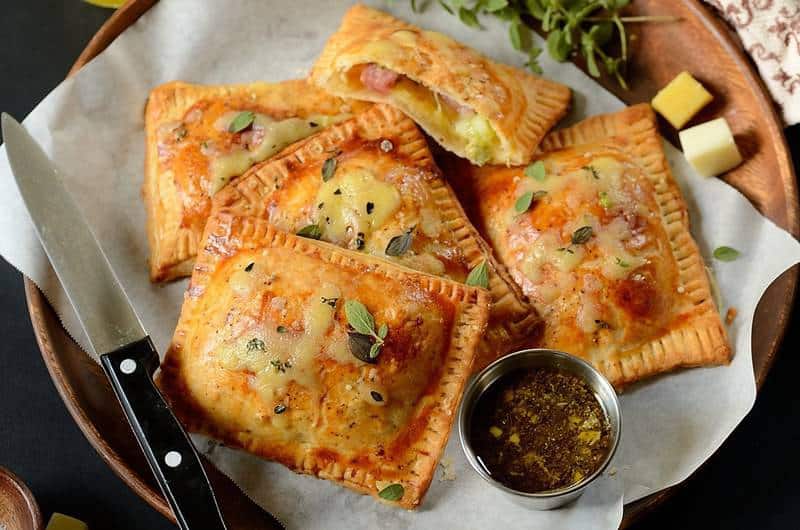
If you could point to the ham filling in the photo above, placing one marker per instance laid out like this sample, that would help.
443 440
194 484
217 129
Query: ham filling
382 80
378 78
474 131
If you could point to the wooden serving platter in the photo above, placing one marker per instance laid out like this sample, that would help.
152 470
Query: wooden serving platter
700 43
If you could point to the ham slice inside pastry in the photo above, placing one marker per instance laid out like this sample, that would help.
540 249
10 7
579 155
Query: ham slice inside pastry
378 78
471 131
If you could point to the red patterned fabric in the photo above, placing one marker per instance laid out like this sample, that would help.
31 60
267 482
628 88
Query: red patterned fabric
770 32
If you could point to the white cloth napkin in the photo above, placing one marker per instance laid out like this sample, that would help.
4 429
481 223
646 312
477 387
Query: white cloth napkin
770 32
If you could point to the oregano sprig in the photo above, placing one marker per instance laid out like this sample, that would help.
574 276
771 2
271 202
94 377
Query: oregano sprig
365 342
585 27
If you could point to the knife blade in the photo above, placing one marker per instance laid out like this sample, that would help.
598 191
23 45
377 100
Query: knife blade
92 287
126 353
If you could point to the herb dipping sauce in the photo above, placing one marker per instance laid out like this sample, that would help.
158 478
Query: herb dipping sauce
540 429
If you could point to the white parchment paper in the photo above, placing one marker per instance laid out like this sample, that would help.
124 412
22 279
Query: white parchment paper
92 126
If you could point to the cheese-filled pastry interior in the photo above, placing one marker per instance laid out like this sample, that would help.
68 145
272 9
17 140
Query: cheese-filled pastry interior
479 109
596 233
330 361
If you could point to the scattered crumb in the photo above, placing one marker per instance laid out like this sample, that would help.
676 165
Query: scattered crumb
448 473
612 472
731 315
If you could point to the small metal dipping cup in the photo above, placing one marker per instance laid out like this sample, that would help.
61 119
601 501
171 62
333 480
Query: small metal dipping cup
539 358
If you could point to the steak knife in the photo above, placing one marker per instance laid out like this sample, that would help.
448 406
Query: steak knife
126 353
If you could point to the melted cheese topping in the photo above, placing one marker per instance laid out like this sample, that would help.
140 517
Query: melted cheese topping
277 356
478 136
595 194
198 155
400 200
353 204
273 135
615 286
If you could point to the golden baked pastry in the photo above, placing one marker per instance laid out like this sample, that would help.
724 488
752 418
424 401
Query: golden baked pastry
191 152
370 184
265 357
597 235
480 110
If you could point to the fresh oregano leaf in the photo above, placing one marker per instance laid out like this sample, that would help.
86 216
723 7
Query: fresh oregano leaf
360 346
557 45
359 317
726 253
533 60
588 27
242 121
468 17
582 235
398 245
310 231
375 349
523 202
536 171
601 33
591 62
392 492
535 8
329 168
479 276
495 5
383 331
514 33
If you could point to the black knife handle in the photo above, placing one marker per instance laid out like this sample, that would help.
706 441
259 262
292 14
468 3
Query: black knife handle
166 445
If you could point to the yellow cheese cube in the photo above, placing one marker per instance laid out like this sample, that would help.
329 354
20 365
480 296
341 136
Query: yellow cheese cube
710 148
681 99
59 521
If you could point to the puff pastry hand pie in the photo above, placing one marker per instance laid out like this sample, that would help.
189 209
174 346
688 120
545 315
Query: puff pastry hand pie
481 110
200 137
597 234
271 356
370 184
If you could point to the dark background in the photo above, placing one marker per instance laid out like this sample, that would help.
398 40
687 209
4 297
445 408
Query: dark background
750 483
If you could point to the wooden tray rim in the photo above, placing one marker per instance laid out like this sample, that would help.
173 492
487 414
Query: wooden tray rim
129 13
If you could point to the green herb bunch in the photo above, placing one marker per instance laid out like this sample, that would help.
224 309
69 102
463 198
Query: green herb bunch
585 27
